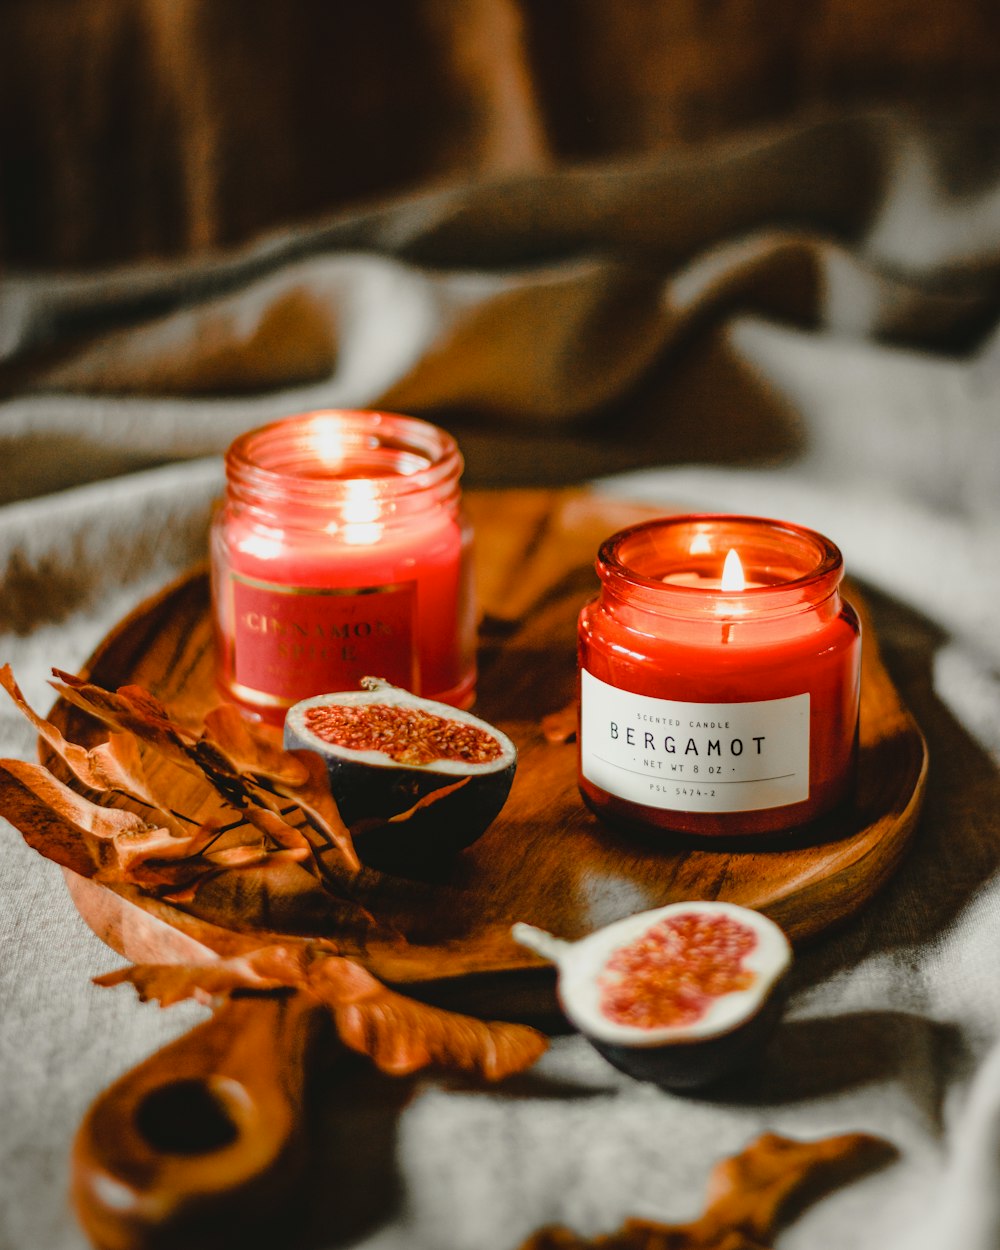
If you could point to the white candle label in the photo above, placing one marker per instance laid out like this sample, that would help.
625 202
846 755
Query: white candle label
293 642
694 757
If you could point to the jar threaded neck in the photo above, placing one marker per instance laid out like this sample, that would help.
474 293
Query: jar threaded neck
316 462
672 565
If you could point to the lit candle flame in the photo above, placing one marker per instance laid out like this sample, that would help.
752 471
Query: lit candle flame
360 521
732 572
361 513
361 505
327 438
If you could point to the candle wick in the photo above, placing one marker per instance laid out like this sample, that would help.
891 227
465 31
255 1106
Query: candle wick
727 629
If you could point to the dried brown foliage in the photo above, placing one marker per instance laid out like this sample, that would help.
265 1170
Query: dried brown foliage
270 807
204 802
750 1196
243 767
398 1034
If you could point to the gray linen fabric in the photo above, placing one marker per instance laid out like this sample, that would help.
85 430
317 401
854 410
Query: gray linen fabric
801 324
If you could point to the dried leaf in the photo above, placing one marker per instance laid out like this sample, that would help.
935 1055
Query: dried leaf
248 751
120 760
750 1197
181 897
56 821
401 1035
427 800
246 855
107 843
326 831
116 846
398 1034
232 748
132 710
264 812
137 848
172 983
245 769
561 727
114 766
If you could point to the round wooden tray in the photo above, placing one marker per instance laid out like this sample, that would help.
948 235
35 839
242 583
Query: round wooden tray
546 859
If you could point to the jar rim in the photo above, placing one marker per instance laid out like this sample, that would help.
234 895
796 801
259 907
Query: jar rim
316 458
811 571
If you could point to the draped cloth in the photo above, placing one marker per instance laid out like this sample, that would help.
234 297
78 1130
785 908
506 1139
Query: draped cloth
801 323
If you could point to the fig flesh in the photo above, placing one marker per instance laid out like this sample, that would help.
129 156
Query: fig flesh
387 752
679 996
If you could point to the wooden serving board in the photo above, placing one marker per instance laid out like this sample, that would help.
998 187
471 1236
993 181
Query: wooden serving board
546 859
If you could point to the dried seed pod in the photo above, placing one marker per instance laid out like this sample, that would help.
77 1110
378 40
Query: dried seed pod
414 779
678 996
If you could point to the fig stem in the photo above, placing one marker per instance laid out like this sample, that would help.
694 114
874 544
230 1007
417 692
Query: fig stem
376 683
540 941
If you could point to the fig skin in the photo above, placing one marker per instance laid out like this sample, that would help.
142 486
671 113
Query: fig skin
673 1057
693 1065
370 792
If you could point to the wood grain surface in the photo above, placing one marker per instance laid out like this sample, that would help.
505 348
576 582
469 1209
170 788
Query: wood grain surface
546 859
201 1145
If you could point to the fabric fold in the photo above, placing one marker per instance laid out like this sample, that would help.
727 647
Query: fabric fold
800 323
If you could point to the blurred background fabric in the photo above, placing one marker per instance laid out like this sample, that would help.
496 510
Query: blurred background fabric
139 128
704 253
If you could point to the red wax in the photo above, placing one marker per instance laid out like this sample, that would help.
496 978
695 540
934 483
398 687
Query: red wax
718 712
341 553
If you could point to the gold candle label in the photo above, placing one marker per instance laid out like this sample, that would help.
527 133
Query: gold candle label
292 642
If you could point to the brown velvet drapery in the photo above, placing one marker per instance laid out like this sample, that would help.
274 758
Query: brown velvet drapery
136 128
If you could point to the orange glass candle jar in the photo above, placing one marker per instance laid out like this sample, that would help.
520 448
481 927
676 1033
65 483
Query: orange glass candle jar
341 552
719 693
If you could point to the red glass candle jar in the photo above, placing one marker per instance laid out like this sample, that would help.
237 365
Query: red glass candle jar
710 709
341 552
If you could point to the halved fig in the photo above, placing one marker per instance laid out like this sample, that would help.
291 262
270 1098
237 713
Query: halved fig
680 995
414 779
